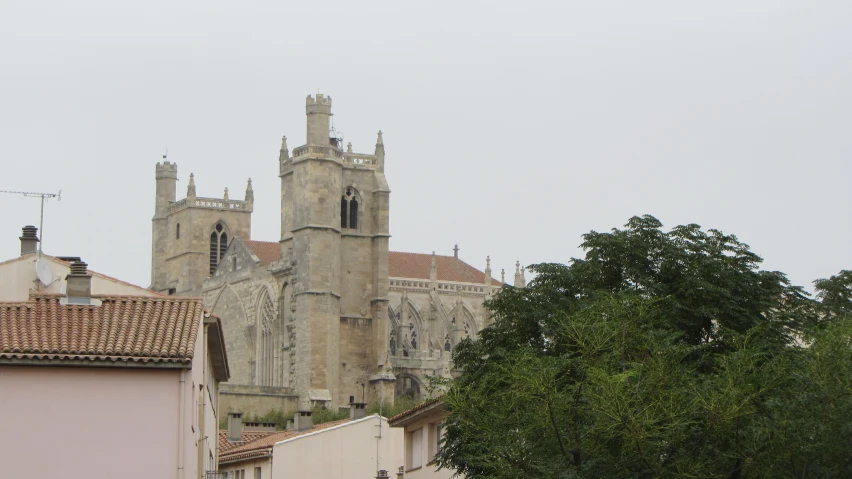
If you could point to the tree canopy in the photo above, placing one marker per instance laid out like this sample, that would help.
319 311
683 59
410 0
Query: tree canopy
658 354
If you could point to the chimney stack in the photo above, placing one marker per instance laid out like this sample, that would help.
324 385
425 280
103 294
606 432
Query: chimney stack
382 474
79 281
400 473
302 420
235 427
29 240
357 410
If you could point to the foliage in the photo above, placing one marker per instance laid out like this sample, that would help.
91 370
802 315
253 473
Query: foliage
401 404
659 354
321 414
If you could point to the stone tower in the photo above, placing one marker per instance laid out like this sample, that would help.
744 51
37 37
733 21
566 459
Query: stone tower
334 238
190 236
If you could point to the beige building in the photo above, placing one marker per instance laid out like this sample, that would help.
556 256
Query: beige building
106 385
423 432
346 449
327 312
19 275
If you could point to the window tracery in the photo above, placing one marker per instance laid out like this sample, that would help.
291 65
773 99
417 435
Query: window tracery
266 364
218 245
349 208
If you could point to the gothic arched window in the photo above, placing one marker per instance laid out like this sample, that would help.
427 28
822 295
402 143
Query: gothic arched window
266 364
349 209
218 245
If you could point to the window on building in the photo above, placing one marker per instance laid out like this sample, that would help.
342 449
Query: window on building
435 440
218 245
416 451
257 473
349 209
177 232
267 372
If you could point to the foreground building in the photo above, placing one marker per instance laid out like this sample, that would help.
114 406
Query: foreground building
316 316
346 449
423 432
98 385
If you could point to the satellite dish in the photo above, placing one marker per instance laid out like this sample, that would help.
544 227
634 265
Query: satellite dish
45 275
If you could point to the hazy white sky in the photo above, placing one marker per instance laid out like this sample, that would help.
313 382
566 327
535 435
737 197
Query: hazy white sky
510 127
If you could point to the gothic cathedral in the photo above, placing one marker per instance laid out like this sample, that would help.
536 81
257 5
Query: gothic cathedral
327 313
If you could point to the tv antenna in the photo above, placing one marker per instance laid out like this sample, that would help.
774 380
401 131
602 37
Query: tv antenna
43 196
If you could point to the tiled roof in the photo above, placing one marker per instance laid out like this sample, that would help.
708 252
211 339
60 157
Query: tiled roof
248 436
416 408
400 265
266 251
419 266
262 447
141 330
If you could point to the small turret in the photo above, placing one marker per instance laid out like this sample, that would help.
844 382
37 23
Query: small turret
166 186
284 154
433 271
319 119
519 275
488 271
190 188
380 151
249 192
226 197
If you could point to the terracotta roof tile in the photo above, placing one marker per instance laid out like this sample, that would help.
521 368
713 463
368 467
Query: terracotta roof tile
263 446
138 329
248 436
400 265
266 251
419 266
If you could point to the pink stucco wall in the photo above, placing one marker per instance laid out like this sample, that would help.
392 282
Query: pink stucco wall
83 423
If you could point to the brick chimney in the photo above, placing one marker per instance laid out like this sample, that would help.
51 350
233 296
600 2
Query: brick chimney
29 240
79 281
357 410
235 427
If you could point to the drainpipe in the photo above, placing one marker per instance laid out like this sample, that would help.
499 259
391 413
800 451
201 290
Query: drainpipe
202 439
182 396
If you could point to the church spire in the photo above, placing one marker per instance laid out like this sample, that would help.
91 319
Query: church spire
285 153
249 192
519 275
190 188
380 151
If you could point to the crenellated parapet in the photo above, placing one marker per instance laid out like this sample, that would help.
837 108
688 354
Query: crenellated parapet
166 170
221 204
347 159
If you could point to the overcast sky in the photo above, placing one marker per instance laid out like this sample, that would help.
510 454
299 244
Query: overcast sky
511 128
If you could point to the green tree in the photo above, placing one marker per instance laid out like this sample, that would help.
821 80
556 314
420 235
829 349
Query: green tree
659 354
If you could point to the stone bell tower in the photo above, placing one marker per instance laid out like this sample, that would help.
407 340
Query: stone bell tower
334 237
190 236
